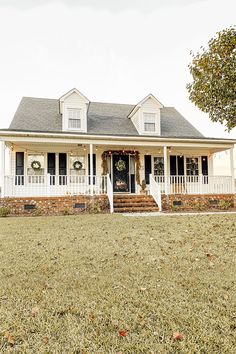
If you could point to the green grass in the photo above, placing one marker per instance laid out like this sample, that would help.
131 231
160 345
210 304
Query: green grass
89 277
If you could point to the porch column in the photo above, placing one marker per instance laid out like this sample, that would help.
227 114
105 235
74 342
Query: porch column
91 167
166 169
232 167
2 168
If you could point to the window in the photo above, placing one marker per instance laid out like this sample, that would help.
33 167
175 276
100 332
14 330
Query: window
74 119
192 166
80 170
158 166
35 164
149 122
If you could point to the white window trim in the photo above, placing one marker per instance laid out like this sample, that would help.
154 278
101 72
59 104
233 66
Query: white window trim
156 131
68 109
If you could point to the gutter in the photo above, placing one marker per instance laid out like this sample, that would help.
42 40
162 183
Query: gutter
13 133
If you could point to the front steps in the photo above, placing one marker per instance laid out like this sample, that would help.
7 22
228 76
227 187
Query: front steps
131 203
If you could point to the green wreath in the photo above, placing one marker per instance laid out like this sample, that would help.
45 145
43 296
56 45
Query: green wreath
77 165
36 165
120 165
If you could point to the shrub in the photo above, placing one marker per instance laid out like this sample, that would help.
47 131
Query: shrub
4 211
37 212
200 206
94 208
173 208
224 204
66 212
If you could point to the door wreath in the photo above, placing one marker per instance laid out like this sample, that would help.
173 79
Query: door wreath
120 165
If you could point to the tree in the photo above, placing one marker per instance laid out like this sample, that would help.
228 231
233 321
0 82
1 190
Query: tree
213 70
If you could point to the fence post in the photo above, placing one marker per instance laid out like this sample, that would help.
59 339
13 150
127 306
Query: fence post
48 184
2 169
201 181
166 170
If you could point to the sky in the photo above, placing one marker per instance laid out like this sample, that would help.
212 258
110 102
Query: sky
111 50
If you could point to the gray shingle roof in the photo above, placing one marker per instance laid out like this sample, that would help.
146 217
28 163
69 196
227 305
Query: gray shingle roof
40 114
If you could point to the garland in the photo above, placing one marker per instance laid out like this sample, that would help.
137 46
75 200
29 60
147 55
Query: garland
136 155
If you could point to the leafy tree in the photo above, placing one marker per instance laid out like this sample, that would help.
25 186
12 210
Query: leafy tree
213 70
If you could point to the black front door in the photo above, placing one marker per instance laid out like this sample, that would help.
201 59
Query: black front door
121 173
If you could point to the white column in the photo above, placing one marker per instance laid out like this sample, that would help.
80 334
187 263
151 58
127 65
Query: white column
91 167
166 169
2 168
232 167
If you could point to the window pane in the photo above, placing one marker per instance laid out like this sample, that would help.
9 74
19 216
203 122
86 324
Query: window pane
149 117
72 160
192 166
74 113
35 158
149 127
74 123
158 166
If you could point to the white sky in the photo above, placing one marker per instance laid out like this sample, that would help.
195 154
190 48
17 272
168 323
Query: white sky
111 50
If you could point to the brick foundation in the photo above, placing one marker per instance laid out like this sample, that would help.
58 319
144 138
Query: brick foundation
56 205
196 202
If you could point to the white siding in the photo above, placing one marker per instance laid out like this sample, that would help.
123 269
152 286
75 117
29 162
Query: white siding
137 121
149 106
78 102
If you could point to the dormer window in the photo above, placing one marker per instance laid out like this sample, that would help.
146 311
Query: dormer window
150 121
74 108
74 118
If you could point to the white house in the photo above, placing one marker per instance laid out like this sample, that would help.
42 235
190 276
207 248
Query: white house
71 146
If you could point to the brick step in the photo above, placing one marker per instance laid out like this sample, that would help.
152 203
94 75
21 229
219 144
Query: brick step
135 200
136 209
135 204
133 196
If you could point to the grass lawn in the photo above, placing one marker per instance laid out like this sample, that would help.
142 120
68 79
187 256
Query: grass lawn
115 284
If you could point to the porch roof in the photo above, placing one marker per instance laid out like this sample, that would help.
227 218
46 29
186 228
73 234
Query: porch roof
67 138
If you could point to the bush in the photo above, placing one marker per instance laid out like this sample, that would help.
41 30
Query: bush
200 206
66 212
4 211
37 212
224 204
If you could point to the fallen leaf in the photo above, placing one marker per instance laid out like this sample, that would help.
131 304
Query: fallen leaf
123 333
177 336
45 339
210 256
142 323
9 338
35 311
143 289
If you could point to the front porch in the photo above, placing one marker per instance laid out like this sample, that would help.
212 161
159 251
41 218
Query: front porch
59 185
70 169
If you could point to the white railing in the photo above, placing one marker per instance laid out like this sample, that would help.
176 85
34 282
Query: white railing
50 185
155 191
110 193
195 184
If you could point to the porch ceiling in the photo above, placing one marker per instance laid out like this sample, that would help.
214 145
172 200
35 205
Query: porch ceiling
179 149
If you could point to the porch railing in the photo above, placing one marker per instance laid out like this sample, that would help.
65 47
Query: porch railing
110 193
50 185
195 184
155 192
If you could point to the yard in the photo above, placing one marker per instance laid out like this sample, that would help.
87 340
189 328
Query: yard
115 284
